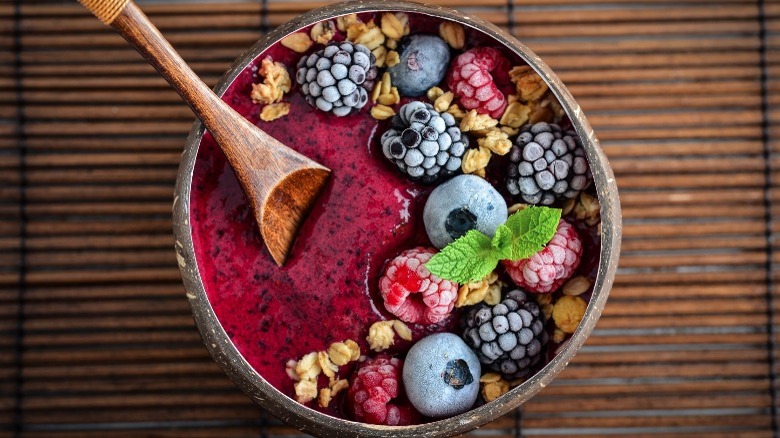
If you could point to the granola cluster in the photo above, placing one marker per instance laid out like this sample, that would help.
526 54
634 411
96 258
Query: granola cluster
306 370
453 34
585 208
568 312
493 386
487 290
533 93
297 42
276 82
381 334
380 38
384 95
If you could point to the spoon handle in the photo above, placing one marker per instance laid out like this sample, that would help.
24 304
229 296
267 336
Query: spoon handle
280 183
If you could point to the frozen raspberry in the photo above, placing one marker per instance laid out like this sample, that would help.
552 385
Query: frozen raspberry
470 79
549 268
374 387
412 293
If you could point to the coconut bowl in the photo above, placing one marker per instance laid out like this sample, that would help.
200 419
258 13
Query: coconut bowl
201 261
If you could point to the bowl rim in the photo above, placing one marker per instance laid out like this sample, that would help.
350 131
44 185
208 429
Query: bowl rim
308 420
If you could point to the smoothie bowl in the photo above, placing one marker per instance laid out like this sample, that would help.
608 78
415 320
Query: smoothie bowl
460 254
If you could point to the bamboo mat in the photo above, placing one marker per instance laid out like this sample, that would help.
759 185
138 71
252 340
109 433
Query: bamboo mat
96 337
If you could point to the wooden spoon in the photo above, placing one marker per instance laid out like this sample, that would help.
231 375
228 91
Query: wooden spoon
281 184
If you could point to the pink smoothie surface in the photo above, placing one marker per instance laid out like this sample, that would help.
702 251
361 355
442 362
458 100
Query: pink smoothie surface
328 289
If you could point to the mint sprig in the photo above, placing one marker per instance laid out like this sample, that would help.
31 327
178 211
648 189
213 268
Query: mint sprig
475 255
465 258
530 229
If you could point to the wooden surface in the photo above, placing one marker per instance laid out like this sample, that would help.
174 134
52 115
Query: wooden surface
96 338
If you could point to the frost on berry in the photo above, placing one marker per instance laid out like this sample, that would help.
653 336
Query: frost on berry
548 269
547 164
412 293
374 393
508 337
473 78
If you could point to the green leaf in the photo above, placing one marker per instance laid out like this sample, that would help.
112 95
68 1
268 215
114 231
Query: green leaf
502 240
532 228
470 258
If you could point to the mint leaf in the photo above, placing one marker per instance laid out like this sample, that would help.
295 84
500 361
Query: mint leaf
470 258
531 229
502 240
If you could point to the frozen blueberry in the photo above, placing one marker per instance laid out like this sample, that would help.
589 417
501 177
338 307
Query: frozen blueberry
441 375
424 62
466 202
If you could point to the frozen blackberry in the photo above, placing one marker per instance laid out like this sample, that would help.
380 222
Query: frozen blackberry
547 165
509 337
338 78
426 145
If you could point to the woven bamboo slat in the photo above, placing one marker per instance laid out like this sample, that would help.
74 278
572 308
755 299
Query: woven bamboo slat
772 120
10 227
674 90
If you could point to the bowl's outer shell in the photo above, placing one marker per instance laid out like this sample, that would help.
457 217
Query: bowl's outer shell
308 420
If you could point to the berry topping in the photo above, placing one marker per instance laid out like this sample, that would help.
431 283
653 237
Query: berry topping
374 387
470 79
426 145
424 60
547 165
549 268
441 375
338 78
509 337
466 202
412 293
